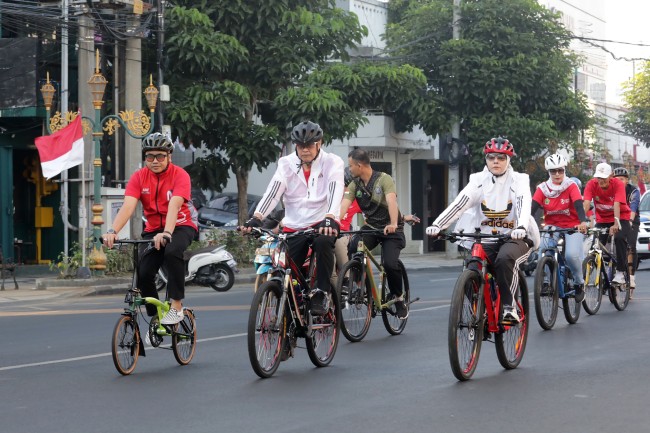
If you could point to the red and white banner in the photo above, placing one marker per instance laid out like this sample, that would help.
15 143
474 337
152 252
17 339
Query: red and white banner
62 150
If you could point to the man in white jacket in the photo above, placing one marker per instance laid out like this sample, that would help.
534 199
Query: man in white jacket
310 183
498 198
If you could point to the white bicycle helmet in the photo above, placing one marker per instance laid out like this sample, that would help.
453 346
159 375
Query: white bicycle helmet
555 161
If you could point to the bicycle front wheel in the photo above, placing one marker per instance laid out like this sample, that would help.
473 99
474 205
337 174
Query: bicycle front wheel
593 285
546 293
265 334
356 302
393 324
465 329
570 307
125 347
184 338
511 342
620 293
322 344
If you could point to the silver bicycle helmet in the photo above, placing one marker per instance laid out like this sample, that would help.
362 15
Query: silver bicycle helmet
157 141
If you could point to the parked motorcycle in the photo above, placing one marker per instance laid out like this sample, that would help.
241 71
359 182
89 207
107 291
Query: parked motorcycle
208 266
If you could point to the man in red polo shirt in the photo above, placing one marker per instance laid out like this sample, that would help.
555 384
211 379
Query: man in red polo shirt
164 190
611 210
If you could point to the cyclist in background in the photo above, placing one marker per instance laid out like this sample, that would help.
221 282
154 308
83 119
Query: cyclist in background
498 198
561 200
164 190
611 211
633 199
310 183
341 246
376 195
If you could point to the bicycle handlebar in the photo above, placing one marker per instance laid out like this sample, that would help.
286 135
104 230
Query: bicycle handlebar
128 241
363 232
453 236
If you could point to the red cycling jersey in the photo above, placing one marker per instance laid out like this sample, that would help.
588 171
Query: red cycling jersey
604 200
346 221
560 211
156 190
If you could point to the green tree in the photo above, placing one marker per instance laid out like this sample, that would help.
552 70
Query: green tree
229 61
242 73
636 121
509 74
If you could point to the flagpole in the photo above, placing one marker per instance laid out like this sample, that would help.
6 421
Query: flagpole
82 212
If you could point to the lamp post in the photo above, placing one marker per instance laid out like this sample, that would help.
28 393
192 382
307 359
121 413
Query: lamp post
137 126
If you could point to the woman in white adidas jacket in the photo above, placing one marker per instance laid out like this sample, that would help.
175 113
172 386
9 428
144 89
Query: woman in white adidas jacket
497 198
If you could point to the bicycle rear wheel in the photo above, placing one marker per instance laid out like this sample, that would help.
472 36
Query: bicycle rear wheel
546 293
511 343
620 293
125 347
265 335
465 329
356 302
322 344
392 323
593 285
184 338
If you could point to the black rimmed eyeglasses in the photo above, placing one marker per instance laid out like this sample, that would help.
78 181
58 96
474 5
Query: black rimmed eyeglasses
556 171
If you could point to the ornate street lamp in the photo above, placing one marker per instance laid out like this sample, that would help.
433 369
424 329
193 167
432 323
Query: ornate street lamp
137 126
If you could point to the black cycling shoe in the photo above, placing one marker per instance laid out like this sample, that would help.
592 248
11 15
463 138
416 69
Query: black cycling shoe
402 310
319 302
580 293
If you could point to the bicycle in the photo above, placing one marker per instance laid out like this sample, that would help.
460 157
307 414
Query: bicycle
127 345
281 313
476 308
554 281
362 299
599 267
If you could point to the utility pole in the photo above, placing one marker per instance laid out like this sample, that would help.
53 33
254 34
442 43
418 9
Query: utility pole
133 100
453 171
160 14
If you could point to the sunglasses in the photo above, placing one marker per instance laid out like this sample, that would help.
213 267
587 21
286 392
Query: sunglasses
556 171
493 156
160 157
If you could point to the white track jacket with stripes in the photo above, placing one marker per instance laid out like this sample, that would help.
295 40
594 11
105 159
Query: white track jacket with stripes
489 202
305 203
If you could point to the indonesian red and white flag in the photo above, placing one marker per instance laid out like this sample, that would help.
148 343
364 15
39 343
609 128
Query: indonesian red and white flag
62 150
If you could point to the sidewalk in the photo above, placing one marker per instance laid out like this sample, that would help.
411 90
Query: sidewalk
39 283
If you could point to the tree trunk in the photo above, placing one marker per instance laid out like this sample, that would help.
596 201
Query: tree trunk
242 173
242 189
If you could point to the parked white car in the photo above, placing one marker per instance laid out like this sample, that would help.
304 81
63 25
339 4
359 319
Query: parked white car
643 241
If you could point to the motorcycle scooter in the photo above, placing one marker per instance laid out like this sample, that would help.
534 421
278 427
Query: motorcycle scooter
211 266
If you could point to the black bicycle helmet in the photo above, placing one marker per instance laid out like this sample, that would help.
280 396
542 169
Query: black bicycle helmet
306 133
621 171
157 141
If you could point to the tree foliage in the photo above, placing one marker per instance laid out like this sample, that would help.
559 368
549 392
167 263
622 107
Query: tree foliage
636 121
243 72
509 73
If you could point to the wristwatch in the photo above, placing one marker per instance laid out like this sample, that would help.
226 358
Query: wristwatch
111 232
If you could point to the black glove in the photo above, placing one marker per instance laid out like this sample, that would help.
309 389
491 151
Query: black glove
253 222
330 222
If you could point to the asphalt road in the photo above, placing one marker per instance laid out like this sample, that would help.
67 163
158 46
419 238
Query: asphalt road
56 374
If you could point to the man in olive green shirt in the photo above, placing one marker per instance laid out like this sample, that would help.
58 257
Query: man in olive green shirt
376 195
